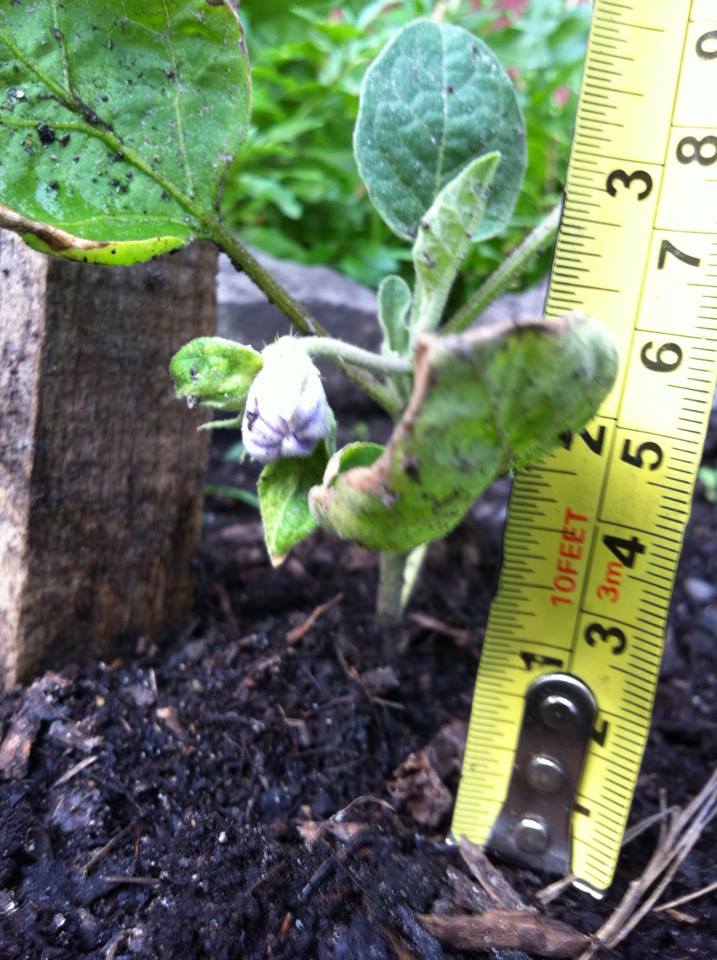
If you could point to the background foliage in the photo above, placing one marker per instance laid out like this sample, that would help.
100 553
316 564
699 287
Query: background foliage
297 193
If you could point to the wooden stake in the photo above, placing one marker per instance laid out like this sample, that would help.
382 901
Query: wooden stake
100 467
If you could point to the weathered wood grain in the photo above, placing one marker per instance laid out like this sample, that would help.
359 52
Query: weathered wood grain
100 467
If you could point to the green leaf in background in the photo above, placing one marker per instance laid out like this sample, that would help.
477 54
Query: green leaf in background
444 237
394 305
434 100
118 122
484 401
215 372
283 500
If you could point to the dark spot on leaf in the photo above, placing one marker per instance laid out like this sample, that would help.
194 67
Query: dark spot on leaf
46 134
425 225
113 252
104 98
449 88
64 139
428 260
54 185
170 74
193 373
57 34
75 159
412 469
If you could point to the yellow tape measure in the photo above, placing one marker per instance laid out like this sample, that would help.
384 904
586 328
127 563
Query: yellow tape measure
594 532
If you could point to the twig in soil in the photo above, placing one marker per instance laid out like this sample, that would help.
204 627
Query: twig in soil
298 633
461 637
341 814
681 917
430 948
100 854
686 898
685 829
272 871
73 771
331 863
133 881
507 930
351 673
489 877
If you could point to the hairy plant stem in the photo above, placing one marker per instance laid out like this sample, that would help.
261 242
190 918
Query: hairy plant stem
276 293
243 259
392 568
357 356
501 279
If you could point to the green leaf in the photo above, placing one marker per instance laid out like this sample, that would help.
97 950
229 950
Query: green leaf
394 304
232 493
484 402
118 122
283 499
433 100
216 372
445 236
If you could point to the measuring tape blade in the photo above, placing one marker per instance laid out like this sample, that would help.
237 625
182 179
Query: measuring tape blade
594 532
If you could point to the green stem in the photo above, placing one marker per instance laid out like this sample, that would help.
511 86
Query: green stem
276 293
389 606
357 356
502 278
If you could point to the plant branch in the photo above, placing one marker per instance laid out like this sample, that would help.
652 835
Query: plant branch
276 293
338 350
501 279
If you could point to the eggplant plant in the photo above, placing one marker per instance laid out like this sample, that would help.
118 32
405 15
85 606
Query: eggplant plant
118 130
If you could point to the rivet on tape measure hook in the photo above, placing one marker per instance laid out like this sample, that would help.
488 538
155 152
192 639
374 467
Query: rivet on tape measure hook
594 532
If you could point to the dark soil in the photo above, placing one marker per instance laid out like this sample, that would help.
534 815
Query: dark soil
208 756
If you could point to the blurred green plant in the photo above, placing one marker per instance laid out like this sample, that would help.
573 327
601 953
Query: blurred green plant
297 193
708 477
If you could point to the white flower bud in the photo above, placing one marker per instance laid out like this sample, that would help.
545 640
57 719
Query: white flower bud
286 410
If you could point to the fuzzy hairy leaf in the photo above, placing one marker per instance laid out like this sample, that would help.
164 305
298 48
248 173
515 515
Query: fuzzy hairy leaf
484 402
216 372
283 500
394 305
432 101
117 122
445 236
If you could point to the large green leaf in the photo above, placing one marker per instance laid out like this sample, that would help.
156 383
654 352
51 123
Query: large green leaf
445 236
484 402
433 100
283 499
118 122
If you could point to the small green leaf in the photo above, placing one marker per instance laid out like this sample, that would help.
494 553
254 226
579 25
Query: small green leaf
283 499
118 122
484 402
445 236
432 101
394 303
216 372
